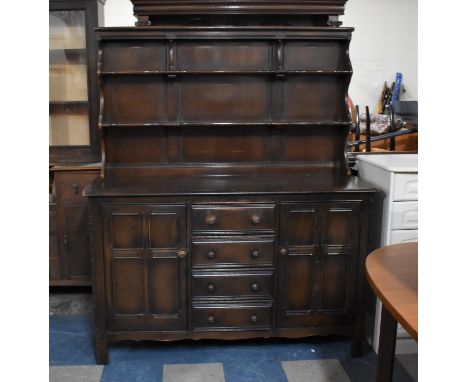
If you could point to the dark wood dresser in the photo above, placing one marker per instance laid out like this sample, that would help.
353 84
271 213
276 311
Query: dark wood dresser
224 209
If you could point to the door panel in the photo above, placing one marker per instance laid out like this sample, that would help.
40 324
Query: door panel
299 224
54 252
334 282
166 227
338 226
128 286
298 283
127 230
339 248
163 285
318 243
299 239
146 276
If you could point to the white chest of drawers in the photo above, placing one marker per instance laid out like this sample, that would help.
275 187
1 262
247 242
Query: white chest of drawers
397 176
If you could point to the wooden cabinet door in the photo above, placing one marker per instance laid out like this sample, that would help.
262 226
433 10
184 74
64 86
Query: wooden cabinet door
146 265
75 243
54 253
318 244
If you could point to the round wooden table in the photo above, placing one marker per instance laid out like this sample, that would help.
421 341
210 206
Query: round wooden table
392 272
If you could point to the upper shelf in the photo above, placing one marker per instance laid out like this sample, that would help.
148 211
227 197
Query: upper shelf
214 72
345 124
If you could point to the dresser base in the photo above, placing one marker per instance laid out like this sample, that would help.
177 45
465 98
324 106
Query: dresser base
102 342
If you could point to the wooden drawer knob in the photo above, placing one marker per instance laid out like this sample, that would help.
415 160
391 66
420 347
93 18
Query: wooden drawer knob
255 219
255 253
211 255
210 287
254 287
211 319
210 219
253 318
182 253
283 251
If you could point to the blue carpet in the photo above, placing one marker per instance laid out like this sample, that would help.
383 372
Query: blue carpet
71 343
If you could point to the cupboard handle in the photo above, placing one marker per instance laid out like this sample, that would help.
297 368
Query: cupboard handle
210 219
253 318
210 255
76 187
255 253
254 287
255 219
210 287
283 251
211 319
181 253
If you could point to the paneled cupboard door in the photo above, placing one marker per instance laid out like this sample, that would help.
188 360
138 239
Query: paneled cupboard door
145 265
318 247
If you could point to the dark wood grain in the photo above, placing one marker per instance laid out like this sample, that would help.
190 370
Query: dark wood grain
225 209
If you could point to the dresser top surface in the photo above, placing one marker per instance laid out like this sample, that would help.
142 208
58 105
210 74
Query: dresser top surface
226 185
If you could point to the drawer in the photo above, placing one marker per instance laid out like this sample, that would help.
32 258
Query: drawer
232 284
69 185
405 187
404 215
233 252
233 218
233 317
403 236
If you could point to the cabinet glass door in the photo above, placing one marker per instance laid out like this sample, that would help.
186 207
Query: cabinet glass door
68 79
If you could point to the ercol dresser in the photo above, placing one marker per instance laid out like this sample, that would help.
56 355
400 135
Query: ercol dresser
224 209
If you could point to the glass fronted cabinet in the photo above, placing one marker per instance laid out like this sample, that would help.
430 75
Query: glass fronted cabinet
73 87
73 135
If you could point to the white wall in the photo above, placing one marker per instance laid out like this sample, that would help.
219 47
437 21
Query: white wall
385 41
118 13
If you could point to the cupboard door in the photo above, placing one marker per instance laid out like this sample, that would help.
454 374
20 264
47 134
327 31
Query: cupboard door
318 246
75 242
54 253
146 263
166 262
299 254
339 240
